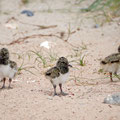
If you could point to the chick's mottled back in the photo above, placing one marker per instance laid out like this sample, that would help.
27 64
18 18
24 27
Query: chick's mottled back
53 73
113 58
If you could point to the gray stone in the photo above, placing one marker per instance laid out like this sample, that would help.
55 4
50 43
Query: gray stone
113 99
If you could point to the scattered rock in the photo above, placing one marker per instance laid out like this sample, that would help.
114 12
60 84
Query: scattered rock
113 99
28 13
50 97
31 81
96 26
11 25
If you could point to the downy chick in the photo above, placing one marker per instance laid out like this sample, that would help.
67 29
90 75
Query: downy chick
111 64
59 74
8 68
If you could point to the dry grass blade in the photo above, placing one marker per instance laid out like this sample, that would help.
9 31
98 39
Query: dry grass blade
39 26
22 39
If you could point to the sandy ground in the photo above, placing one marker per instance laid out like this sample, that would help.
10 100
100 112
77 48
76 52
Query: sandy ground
31 97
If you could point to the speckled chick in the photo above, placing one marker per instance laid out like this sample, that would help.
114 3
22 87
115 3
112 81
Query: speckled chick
8 68
111 64
59 74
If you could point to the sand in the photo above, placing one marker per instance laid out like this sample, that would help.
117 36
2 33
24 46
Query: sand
32 95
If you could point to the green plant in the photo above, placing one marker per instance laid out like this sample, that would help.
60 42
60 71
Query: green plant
112 5
78 51
117 76
81 61
100 71
83 46
52 56
25 1
105 10
94 5
78 58
40 58
23 66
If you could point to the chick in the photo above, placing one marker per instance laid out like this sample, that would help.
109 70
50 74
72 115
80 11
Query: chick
111 64
59 74
8 68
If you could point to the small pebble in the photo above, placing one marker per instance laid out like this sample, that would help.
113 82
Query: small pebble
28 13
50 97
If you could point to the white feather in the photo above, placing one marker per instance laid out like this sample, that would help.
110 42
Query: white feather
111 67
45 44
61 79
7 71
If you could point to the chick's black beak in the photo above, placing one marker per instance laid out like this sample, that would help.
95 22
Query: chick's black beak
70 65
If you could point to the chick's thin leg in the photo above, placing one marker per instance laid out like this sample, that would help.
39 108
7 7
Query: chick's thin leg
10 80
62 93
55 93
111 77
4 79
